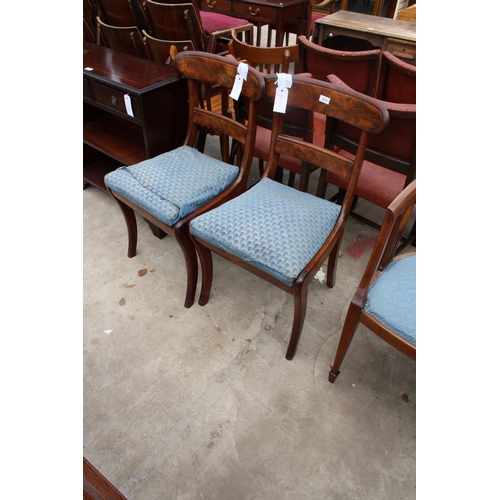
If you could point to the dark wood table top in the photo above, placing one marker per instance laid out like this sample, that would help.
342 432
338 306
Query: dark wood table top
129 71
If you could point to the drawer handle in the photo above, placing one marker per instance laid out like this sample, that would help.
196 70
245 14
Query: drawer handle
211 6
256 13
114 100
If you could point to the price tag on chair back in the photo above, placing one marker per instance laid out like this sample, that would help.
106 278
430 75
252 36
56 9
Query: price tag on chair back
284 82
241 76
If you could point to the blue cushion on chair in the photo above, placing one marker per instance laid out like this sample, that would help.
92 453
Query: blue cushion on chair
173 184
392 298
272 226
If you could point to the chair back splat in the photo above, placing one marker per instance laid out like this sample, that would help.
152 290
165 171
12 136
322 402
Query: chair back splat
170 189
125 39
279 233
299 122
122 13
164 51
385 301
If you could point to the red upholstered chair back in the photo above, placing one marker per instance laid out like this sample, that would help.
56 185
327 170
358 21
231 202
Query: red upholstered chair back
358 69
391 155
397 81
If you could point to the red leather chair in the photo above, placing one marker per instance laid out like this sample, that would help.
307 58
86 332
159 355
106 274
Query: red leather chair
358 69
390 159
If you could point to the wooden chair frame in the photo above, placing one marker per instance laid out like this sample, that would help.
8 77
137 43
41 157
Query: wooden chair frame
357 109
201 69
185 22
396 218
125 39
298 123
164 51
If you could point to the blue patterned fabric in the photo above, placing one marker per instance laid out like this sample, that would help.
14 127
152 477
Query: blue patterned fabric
173 184
272 226
392 298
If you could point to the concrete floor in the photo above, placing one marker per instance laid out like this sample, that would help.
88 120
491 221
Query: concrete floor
201 402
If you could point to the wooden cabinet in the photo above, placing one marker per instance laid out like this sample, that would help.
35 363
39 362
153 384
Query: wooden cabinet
133 109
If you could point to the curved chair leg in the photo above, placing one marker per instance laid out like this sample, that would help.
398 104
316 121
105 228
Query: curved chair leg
348 330
299 315
206 272
189 251
331 269
131 222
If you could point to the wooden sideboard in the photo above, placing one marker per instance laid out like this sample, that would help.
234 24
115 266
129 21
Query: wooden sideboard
262 12
397 37
112 137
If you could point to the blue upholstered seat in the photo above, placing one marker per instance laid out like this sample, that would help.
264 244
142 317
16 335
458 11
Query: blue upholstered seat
392 297
263 226
173 184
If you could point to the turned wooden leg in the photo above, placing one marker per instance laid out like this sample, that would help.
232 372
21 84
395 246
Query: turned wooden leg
299 315
350 325
131 222
206 272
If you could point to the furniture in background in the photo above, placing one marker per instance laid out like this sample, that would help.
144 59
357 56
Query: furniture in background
358 69
262 12
385 301
278 233
315 11
164 51
297 122
111 136
397 37
384 8
126 39
172 188
390 159
178 20
89 22
96 486
409 14
121 13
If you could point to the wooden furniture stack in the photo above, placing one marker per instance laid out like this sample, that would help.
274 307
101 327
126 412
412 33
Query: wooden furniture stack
115 135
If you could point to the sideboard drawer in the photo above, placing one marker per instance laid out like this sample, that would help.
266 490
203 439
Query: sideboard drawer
217 5
407 51
114 99
251 10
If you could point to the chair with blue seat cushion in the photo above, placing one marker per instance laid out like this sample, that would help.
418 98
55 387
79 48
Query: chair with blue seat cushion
279 233
385 301
171 188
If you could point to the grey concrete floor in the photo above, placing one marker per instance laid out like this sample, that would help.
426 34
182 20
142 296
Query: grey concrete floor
201 402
